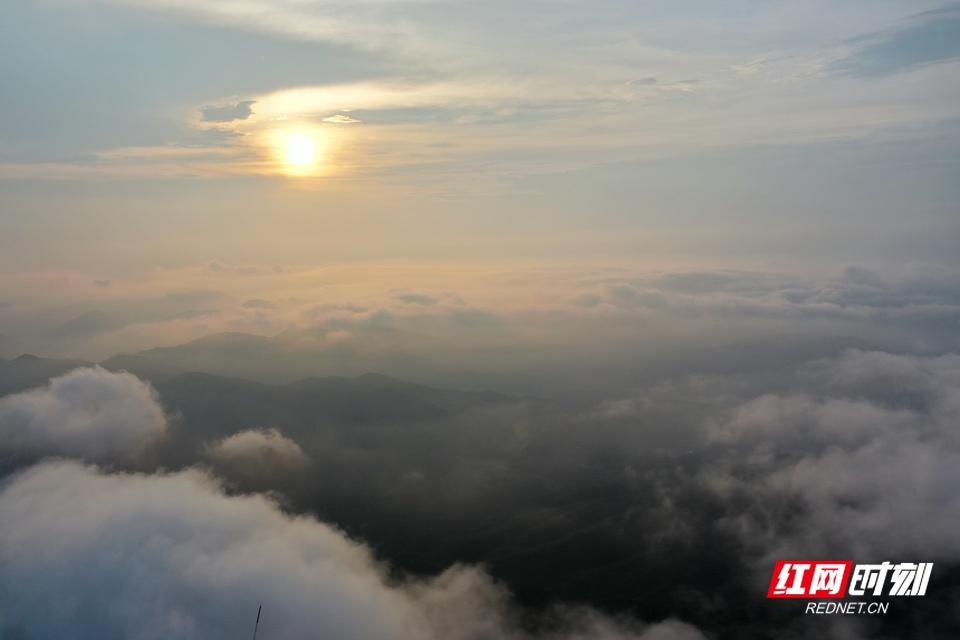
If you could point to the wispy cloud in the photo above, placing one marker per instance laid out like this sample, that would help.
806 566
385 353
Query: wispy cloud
925 38
341 119
228 112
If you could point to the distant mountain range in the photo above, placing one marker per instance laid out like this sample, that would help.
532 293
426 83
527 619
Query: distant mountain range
209 406
28 371
229 354
244 359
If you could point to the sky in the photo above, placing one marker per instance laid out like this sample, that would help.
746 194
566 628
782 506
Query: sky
160 161
142 135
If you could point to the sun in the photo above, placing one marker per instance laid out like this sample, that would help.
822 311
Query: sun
299 150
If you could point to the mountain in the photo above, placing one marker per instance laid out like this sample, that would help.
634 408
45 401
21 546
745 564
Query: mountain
28 371
319 352
365 398
237 355
213 406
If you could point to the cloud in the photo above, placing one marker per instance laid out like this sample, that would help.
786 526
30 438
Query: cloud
341 119
422 299
373 96
90 413
258 449
543 325
89 554
228 112
871 444
695 321
925 38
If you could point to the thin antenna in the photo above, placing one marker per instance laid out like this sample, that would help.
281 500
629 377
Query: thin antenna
258 622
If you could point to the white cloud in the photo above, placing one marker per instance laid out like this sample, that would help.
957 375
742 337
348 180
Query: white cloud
90 413
341 119
264 447
312 100
88 554
873 456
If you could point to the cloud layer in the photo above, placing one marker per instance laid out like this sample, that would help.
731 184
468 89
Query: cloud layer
726 451
871 443
88 554
89 413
